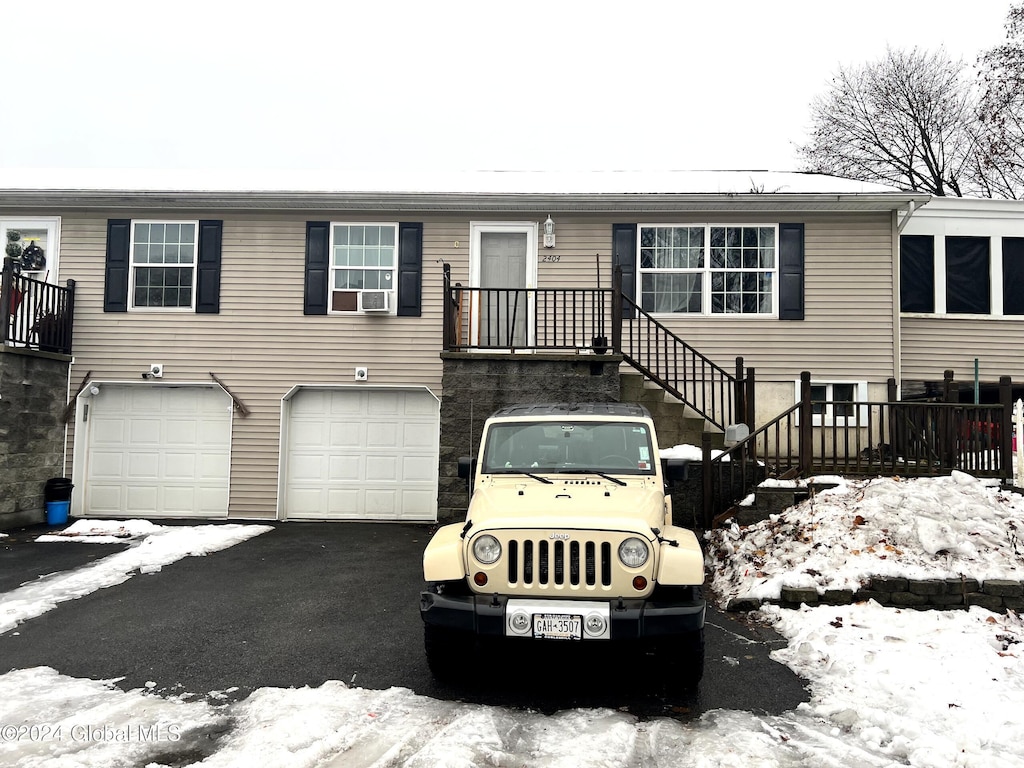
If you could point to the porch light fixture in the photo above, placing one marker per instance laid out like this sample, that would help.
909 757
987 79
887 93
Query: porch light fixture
549 233
94 390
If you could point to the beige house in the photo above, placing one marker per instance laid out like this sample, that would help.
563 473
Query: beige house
962 293
270 348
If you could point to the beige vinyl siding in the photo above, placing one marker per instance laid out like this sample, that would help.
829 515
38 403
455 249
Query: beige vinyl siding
261 345
932 345
848 328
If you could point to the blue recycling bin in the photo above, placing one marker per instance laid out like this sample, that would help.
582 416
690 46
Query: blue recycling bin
57 512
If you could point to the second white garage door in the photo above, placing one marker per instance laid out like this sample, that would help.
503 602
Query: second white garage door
356 453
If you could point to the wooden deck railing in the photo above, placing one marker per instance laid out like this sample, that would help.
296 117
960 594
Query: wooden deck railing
909 439
35 314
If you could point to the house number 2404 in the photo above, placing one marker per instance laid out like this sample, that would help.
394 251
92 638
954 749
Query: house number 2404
552 257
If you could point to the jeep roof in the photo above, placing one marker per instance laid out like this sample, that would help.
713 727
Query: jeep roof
628 410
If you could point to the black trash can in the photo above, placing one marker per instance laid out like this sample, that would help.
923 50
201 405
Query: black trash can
58 489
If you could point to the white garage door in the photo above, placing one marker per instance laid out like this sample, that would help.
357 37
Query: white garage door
361 454
155 451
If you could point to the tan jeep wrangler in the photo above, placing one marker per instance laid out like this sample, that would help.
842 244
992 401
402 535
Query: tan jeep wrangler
568 538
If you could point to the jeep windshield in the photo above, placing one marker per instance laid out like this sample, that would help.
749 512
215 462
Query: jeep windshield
535 447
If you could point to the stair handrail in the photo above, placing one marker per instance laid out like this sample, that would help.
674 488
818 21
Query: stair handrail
658 353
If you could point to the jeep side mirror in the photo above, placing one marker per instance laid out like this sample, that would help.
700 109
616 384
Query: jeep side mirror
466 465
675 470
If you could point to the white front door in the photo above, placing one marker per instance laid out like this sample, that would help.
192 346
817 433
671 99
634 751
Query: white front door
503 256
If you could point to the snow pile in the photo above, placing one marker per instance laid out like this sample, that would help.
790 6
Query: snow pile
924 688
162 546
103 531
947 527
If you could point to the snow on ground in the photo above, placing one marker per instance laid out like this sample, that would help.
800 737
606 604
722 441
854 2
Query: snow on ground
889 687
944 527
157 546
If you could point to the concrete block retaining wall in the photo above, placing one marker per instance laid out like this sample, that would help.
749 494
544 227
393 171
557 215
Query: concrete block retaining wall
996 595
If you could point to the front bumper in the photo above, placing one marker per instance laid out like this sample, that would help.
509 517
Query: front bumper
629 619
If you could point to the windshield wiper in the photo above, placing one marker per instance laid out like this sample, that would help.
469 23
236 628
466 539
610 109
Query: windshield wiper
538 478
597 472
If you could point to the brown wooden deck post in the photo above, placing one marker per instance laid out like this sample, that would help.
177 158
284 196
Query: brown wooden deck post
707 492
947 422
739 394
806 428
1006 427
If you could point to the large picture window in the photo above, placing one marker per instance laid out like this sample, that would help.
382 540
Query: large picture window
363 258
163 264
709 269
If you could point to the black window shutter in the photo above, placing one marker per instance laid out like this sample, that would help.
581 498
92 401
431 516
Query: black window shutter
791 271
917 273
410 269
624 256
318 235
208 265
115 278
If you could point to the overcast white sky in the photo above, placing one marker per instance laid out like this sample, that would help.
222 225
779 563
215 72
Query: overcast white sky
555 85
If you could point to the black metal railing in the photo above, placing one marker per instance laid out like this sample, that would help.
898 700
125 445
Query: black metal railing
36 314
678 368
909 439
519 319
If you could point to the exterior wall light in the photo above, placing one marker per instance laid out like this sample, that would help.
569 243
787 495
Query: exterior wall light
549 233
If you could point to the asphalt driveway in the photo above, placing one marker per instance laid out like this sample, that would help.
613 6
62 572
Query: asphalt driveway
310 602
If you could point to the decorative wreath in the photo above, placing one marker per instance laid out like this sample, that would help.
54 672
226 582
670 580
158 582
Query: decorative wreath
33 258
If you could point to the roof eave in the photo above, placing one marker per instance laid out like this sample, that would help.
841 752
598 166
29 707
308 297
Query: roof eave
464 201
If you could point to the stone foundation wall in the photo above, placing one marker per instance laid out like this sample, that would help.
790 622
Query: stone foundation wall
476 385
33 394
996 595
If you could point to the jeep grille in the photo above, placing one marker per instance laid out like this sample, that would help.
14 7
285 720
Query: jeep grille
557 562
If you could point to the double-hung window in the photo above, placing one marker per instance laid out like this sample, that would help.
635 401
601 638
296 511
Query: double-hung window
163 264
363 261
709 269
838 402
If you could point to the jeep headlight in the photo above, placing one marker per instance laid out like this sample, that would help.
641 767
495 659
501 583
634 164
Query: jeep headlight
633 552
487 549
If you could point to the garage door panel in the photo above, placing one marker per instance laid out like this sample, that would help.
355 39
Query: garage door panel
418 469
106 499
338 502
143 466
180 466
106 464
346 468
420 436
382 435
308 434
347 434
157 451
378 441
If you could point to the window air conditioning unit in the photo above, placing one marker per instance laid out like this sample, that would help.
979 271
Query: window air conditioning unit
373 301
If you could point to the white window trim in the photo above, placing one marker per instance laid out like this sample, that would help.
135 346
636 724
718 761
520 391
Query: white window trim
828 418
393 291
531 230
705 300
52 226
132 266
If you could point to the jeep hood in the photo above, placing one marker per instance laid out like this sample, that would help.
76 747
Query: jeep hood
568 503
